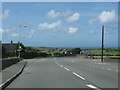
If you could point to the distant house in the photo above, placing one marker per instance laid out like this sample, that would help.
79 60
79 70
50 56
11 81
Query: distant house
9 46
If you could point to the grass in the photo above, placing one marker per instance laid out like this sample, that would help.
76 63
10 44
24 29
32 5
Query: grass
38 57
112 52
9 58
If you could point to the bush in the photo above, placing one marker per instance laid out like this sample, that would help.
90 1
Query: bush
33 54
11 54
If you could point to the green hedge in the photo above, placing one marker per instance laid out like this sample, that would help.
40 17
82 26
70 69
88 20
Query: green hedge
28 55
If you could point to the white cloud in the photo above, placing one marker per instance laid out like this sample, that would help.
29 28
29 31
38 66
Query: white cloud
9 29
52 14
107 17
15 34
93 32
5 15
71 30
92 21
47 26
31 33
1 31
73 18
66 13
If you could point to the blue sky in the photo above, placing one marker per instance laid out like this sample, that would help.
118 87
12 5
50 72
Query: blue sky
60 24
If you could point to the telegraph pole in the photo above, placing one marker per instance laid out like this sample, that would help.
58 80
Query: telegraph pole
102 43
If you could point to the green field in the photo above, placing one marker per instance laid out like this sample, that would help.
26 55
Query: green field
108 51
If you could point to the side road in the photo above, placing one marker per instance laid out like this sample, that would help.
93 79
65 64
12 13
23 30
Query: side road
12 72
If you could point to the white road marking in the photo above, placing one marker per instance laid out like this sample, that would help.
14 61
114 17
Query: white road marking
31 65
11 77
108 69
61 66
116 70
57 63
70 60
78 76
91 86
66 69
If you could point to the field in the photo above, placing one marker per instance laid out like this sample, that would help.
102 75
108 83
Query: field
107 53
111 52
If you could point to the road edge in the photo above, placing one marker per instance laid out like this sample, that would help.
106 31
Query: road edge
4 85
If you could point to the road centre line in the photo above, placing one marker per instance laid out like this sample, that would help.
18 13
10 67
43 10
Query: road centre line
92 86
61 66
78 76
108 69
67 69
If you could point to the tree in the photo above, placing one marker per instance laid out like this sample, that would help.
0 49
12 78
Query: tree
28 48
21 45
76 51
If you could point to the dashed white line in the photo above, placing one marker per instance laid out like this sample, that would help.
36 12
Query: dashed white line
31 65
66 69
57 63
108 69
78 76
116 70
91 86
61 66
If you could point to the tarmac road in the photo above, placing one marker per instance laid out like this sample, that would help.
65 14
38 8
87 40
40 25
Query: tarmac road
67 72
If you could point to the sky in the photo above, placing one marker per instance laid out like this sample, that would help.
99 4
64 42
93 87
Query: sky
60 24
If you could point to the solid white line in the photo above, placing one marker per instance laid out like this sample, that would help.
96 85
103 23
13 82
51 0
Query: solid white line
66 69
78 76
91 86
2 84
11 77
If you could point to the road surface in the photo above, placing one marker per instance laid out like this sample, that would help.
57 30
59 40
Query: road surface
66 72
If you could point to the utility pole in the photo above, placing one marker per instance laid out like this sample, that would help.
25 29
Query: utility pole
102 43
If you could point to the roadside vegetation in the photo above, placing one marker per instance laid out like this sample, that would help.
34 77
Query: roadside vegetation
42 52
39 52
112 53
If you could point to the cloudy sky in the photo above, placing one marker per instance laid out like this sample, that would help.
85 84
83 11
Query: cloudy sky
60 24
